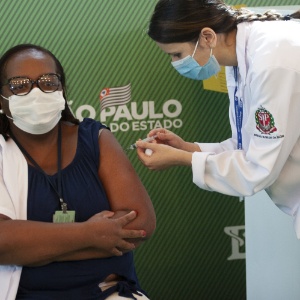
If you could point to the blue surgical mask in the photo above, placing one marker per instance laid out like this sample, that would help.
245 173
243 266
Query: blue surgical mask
188 67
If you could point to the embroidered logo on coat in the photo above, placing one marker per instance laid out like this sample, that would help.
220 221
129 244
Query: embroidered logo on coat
264 121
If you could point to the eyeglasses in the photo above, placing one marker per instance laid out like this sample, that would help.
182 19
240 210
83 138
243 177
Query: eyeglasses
21 86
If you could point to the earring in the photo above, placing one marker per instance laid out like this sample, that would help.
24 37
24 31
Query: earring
1 111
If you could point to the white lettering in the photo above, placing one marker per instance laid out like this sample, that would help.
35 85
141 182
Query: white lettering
107 112
134 113
114 127
166 108
82 108
237 243
144 125
152 113
177 123
70 102
135 126
168 124
158 124
124 126
134 118
122 112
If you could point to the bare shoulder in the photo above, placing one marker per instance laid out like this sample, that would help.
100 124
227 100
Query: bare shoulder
107 140
111 151
4 218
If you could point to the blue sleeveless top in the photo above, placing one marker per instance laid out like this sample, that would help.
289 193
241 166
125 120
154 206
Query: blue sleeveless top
84 193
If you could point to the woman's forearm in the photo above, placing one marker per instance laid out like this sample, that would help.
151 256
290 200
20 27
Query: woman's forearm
38 243
30 243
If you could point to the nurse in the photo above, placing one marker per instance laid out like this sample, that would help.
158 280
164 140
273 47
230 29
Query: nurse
261 53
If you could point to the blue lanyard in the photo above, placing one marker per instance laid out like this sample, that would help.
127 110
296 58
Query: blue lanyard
238 108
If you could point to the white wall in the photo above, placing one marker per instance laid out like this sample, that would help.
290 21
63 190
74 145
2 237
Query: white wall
272 251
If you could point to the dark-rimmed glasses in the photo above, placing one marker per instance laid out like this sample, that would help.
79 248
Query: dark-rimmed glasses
21 85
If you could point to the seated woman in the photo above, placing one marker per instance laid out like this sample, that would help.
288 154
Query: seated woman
72 208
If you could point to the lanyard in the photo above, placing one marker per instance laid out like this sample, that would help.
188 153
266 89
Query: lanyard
59 190
238 109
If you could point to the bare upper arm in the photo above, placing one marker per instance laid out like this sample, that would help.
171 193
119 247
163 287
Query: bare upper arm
117 173
122 184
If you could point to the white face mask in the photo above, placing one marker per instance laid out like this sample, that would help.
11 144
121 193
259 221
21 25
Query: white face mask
36 112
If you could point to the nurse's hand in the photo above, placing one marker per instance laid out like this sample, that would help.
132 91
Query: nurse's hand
167 137
164 136
163 156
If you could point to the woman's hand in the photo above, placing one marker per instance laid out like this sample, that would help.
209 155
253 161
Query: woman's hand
108 234
103 235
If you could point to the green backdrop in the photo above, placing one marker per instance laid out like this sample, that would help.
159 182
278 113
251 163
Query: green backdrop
197 251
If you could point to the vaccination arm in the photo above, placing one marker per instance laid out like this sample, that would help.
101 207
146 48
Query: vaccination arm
123 186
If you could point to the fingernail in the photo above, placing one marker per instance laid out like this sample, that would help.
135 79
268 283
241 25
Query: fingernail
144 234
136 212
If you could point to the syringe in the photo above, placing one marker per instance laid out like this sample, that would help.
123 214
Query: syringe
148 139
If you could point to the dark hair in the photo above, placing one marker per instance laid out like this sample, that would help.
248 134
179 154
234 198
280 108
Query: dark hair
178 21
66 113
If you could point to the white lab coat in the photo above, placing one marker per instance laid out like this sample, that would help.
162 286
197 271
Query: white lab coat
268 55
13 203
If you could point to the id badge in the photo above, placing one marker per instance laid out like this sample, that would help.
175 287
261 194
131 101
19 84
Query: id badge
64 217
